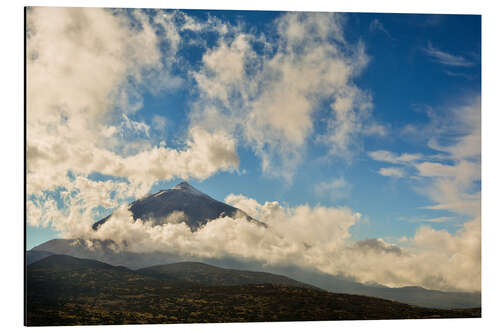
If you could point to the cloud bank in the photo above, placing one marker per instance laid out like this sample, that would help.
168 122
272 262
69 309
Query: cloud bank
310 237
85 72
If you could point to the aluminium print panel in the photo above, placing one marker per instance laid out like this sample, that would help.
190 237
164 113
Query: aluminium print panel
190 166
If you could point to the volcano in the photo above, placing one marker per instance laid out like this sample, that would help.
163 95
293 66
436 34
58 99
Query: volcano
196 209
186 203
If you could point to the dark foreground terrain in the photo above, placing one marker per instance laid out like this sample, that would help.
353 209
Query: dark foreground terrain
63 290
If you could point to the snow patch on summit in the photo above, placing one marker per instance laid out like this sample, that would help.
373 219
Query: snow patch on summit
184 186
159 193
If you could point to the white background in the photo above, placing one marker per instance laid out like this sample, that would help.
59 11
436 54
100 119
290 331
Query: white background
12 162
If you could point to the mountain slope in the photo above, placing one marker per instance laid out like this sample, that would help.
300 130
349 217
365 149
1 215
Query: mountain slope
102 251
205 274
62 290
71 271
34 256
197 207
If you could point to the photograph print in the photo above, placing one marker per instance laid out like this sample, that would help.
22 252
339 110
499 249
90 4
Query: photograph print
217 166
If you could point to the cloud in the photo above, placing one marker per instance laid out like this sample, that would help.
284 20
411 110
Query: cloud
376 129
159 123
441 219
72 209
452 177
391 172
337 188
454 184
205 154
90 65
464 172
452 180
427 219
389 157
457 74
270 98
447 59
80 59
86 119
310 237
463 251
376 25
464 123
378 246
135 126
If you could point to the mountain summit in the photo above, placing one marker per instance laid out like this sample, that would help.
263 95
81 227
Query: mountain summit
186 187
181 203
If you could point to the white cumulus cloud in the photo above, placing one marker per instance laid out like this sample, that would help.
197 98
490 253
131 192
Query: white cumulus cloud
271 99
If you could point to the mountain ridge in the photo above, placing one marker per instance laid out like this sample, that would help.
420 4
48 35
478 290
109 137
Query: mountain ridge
186 272
206 274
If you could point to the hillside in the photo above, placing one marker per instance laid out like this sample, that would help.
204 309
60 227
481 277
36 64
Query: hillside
209 275
62 290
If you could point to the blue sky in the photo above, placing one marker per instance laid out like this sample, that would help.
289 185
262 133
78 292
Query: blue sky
375 113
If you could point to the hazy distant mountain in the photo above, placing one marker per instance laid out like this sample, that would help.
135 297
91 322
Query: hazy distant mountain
197 207
410 295
63 290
